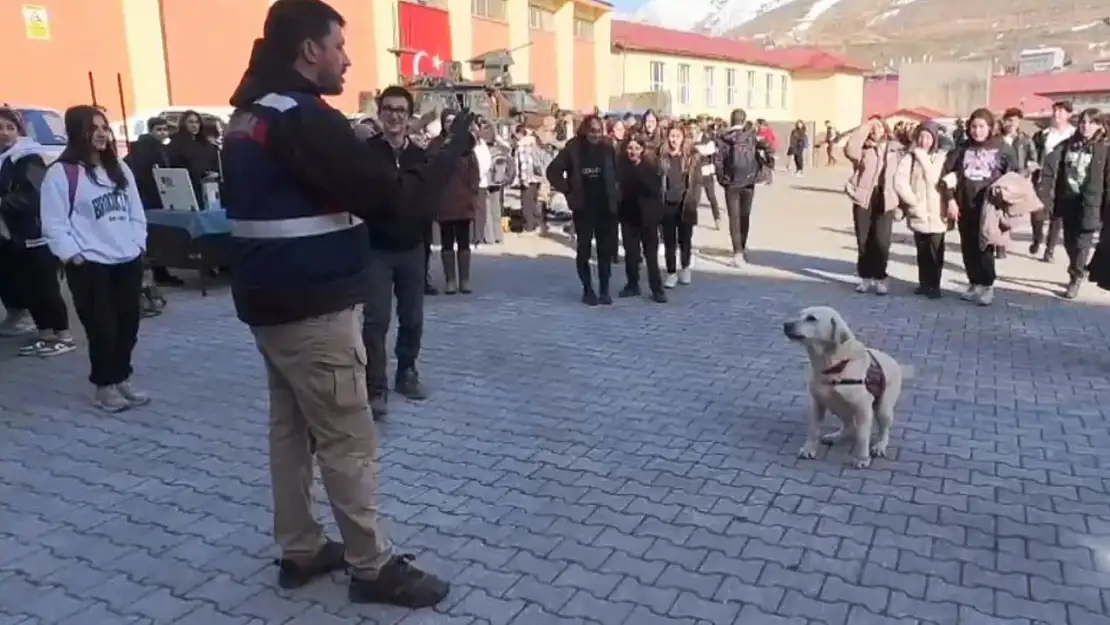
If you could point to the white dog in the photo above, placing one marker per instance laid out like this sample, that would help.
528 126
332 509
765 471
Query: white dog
857 384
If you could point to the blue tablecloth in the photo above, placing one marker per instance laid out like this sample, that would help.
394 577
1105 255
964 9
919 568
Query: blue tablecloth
197 224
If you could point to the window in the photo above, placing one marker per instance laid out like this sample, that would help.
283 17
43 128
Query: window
768 96
541 19
583 29
783 81
490 9
751 89
683 83
710 87
657 82
730 87
46 127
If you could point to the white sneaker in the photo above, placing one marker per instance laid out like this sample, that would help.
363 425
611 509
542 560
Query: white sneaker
986 296
971 294
671 281
738 260
881 287
865 285
684 275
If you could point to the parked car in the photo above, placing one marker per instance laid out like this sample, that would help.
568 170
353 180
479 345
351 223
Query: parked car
46 126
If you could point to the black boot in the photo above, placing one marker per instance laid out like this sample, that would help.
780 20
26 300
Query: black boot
464 272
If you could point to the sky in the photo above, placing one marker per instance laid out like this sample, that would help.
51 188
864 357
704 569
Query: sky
626 6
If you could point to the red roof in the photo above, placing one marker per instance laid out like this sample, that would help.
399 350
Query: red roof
815 59
1031 94
644 38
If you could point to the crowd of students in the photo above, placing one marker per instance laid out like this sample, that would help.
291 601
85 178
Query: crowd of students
993 174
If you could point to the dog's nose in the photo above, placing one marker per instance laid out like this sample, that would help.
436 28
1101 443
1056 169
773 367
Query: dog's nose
788 327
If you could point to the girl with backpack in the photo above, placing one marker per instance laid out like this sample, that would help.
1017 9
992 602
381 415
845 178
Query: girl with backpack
22 167
93 220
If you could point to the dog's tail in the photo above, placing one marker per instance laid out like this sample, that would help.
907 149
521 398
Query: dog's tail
908 372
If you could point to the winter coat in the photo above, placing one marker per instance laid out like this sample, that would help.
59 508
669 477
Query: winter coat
917 183
564 173
146 154
22 169
461 199
873 163
689 206
641 191
1073 187
1009 198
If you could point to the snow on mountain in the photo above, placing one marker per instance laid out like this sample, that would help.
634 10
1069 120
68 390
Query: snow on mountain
713 16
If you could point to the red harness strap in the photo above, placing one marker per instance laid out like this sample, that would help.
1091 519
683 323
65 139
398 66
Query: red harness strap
874 379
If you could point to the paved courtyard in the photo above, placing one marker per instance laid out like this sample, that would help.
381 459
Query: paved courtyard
632 465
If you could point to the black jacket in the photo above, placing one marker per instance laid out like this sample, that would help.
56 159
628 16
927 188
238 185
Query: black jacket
565 174
1024 151
145 154
1082 208
196 155
20 182
397 232
641 191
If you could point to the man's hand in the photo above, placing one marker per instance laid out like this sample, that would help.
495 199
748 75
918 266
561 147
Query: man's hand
461 126
953 210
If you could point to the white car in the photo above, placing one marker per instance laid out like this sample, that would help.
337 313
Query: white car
46 126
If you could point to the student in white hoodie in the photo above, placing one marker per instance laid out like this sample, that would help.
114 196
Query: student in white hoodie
22 168
93 220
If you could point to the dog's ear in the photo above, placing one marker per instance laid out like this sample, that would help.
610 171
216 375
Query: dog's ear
840 332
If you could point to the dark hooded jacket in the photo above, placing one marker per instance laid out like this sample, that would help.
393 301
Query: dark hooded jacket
307 157
1074 187
565 173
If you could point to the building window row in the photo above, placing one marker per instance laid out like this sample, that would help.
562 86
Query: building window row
490 9
540 18
657 82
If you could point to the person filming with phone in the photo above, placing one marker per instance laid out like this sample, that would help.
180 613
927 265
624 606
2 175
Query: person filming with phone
300 188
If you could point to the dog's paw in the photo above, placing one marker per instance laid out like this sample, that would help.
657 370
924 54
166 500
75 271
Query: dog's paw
860 463
807 452
878 451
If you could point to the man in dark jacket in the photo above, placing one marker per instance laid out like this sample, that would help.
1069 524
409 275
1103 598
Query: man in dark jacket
299 186
737 165
398 265
145 155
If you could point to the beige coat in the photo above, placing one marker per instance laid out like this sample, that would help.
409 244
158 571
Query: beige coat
916 181
1009 198
869 161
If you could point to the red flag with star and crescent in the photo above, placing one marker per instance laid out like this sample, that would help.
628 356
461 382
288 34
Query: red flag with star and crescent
425 38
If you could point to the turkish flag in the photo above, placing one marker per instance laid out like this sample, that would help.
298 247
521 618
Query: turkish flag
425 39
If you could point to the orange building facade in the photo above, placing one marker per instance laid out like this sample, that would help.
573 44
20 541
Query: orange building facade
144 55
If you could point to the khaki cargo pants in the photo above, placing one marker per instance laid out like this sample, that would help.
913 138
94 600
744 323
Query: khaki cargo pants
316 370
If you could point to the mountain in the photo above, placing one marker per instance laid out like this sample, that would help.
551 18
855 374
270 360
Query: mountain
884 33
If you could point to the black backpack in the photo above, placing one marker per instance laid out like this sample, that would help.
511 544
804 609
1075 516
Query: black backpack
742 163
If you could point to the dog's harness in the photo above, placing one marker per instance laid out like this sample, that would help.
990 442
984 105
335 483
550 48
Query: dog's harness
874 380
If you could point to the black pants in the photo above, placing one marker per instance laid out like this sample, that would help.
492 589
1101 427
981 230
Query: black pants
40 289
530 207
106 298
978 263
709 185
397 275
738 204
452 233
11 296
874 227
641 242
799 161
677 236
1078 244
1038 221
600 226
930 258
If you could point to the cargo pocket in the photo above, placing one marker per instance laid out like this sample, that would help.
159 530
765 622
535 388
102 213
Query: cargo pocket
339 381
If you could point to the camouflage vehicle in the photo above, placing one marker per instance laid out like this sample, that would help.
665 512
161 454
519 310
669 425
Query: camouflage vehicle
494 97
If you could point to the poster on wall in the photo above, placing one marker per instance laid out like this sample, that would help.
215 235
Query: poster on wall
36 22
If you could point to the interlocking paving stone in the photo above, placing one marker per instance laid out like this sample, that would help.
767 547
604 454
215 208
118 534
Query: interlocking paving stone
629 465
